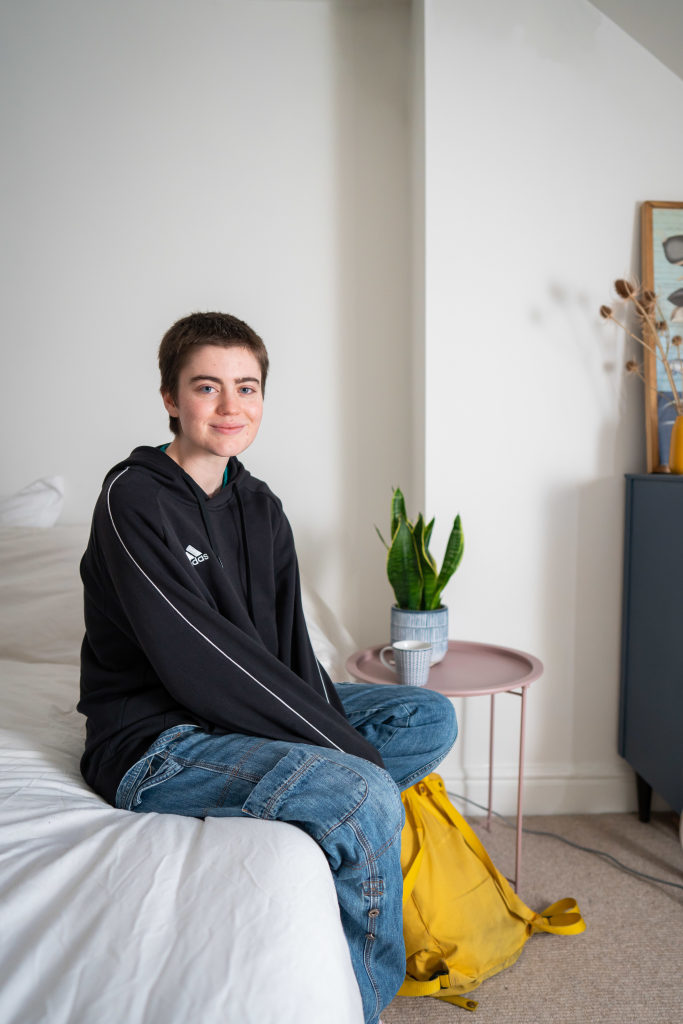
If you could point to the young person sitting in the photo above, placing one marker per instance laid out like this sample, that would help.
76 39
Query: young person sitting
201 690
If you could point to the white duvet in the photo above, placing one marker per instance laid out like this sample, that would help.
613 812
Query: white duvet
110 917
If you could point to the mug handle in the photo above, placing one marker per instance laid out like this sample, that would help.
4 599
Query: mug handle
387 664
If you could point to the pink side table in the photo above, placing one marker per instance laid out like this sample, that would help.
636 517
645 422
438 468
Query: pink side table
471 670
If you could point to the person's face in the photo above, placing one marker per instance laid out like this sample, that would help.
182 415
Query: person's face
219 402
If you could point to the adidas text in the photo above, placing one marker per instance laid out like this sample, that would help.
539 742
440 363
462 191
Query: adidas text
195 556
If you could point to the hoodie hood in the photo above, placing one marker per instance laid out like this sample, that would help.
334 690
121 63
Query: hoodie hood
169 474
173 477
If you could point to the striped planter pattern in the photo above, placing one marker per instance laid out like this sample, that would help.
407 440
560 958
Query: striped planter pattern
431 627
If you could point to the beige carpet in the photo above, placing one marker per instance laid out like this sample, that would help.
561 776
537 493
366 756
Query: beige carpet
628 965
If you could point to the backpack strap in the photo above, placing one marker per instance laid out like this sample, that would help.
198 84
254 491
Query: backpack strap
561 918
433 784
433 987
410 877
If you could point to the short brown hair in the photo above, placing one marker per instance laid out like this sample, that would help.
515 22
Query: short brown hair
204 329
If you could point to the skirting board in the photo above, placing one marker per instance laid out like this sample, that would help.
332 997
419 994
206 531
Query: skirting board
549 790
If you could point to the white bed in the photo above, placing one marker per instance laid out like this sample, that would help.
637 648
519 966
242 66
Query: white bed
110 917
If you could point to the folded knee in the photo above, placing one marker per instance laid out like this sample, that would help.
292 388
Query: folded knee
374 826
436 713
320 792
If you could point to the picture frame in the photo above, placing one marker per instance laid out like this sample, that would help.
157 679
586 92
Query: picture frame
662 273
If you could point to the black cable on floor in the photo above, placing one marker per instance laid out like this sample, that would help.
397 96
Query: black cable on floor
570 842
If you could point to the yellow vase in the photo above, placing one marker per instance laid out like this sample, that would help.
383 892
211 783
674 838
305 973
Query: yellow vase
676 450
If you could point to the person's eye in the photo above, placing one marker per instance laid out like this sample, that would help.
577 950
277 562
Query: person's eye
246 389
205 389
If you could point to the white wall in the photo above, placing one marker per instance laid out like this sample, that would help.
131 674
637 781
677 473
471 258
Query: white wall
546 126
252 157
255 156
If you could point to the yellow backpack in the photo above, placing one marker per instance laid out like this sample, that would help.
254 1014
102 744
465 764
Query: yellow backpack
462 921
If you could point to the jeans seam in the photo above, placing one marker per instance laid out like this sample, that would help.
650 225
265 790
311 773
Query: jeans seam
342 821
163 775
374 711
378 853
387 740
425 769
371 860
211 766
292 779
235 773
141 766
287 783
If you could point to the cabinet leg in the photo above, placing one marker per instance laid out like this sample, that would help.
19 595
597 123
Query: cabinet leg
644 798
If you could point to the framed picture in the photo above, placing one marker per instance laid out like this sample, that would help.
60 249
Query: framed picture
662 273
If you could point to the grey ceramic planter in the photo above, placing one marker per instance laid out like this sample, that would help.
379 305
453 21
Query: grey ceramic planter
431 627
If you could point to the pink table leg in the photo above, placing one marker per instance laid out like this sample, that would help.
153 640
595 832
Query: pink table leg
520 786
491 733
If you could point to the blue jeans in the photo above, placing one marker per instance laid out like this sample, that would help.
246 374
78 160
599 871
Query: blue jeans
348 805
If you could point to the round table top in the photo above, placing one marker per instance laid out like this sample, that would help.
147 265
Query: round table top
468 669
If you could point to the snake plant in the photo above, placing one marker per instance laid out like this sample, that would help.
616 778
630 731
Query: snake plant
412 570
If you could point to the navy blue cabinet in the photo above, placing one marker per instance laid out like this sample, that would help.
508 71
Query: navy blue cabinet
651 705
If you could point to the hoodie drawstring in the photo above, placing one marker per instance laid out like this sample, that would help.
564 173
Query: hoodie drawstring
201 501
245 543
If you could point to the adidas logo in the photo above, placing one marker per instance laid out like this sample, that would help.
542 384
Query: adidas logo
195 556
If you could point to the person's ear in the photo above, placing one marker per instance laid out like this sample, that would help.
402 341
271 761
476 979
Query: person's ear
169 405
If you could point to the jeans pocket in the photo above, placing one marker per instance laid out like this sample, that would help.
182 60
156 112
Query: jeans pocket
317 792
149 771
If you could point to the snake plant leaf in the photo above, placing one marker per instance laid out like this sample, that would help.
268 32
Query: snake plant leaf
381 537
403 567
451 561
427 563
398 511
418 530
411 568
428 534
421 540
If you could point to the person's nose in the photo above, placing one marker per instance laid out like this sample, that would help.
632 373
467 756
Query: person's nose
228 404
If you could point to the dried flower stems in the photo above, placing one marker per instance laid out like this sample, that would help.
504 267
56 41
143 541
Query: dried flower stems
653 325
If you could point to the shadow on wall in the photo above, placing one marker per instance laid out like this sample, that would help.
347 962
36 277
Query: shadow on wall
582 547
582 557
582 627
599 586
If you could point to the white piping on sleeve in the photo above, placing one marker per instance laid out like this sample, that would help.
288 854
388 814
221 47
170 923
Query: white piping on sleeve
199 632
321 679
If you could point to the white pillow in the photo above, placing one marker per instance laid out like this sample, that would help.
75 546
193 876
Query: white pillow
38 504
330 639
41 595
41 601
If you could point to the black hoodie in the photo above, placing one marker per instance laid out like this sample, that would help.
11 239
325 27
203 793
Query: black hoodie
193 614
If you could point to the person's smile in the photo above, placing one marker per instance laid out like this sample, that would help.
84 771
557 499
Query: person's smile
228 428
